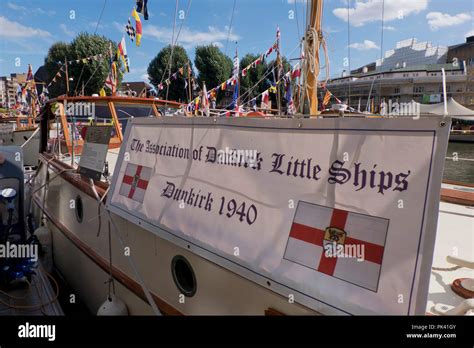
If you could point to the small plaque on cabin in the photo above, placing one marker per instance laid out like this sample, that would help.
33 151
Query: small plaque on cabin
94 152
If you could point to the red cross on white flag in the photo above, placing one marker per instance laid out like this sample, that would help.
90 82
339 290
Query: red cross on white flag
135 182
361 237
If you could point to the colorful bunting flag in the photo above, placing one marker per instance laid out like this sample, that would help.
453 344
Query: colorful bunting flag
327 98
122 54
138 26
296 71
29 75
142 8
265 101
205 100
130 30
235 72
111 81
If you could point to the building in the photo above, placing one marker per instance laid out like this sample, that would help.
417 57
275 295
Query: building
135 89
463 53
3 92
411 71
411 52
8 88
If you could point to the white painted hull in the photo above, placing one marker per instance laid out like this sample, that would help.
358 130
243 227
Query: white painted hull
219 291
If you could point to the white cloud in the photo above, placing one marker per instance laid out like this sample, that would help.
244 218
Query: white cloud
66 30
120 27
438 20
469 33
94 25
190 38
37 10
388 27
364 46
16 7
11 30
293 1
366 11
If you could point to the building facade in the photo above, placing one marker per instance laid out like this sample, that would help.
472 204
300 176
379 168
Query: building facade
412 71
3 92
8 89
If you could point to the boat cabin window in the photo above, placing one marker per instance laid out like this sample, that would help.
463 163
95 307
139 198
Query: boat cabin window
126 111
81 115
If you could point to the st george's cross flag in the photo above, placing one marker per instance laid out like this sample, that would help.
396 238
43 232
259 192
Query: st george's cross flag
339 243
135 182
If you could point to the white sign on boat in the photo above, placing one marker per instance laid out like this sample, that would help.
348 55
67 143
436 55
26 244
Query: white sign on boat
339 213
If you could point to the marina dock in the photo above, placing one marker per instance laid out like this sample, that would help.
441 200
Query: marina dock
38 298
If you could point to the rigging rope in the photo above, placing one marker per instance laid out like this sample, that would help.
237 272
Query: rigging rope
310 62
174 42
230 27
129 258
83 66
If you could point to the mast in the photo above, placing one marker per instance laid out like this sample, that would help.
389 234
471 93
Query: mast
278 65
313 40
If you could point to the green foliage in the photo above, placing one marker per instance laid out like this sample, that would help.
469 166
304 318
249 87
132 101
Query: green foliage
56 53
255 77
94 72
214 66
158 72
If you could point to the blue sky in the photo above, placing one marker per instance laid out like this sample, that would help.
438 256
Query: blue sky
29 27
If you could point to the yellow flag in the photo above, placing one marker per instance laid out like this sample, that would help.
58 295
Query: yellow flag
102 92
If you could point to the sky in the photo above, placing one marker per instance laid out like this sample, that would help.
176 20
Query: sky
29 27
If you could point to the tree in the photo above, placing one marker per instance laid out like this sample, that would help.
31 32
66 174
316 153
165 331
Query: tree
56 54
158 71
254 82
92 74
214 66
95 72
274 78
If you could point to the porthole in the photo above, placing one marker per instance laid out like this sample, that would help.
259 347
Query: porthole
183 276
79 208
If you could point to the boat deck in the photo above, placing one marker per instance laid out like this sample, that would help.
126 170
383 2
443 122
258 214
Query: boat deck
35 299
454 238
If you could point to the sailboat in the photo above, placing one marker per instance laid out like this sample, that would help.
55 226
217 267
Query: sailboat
261 215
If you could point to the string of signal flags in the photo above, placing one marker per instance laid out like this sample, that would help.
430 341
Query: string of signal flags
135 34
233 80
